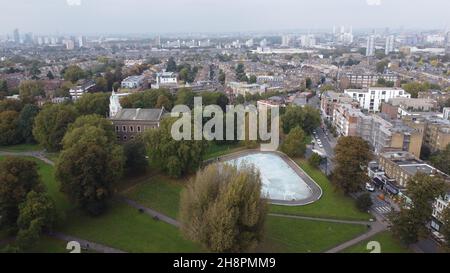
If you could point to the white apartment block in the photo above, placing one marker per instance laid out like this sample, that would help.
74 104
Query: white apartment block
439 205
133 82
370 99
166 79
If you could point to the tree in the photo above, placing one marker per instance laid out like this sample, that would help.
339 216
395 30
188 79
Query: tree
18 177
26 122
50 75
163 101
222 77
308 83
410 224
352 154
135 157
93 103
171 65
51 124
88 167
29 90
175 158
240 73
252 79
382 65
36 215
307 118
10 105
73 73
442 159
101 84
364 202
10 134
222 209
294 144
314 160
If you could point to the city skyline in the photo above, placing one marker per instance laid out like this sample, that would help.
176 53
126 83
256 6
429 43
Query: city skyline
184 16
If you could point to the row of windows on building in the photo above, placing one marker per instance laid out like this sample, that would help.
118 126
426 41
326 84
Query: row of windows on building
130 128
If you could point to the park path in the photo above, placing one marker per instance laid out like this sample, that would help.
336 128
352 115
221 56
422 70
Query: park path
36 154
87 245
376 227
153 213
365 223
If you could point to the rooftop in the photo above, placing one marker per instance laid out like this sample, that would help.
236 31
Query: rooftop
139 114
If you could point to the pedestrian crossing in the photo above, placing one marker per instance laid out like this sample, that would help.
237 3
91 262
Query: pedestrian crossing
383 209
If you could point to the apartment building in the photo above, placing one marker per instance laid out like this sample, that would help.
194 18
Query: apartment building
396 108
436 135
166 79
401 166
371 99
439 205
345 119
364 80
133 82
329 99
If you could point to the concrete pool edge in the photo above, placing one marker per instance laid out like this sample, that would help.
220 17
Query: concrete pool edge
316 190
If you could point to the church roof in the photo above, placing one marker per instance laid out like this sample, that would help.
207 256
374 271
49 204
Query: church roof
139 114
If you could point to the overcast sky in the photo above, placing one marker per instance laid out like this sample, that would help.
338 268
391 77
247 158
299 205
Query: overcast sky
161 16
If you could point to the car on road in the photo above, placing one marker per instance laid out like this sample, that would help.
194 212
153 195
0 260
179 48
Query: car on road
320 145
370 187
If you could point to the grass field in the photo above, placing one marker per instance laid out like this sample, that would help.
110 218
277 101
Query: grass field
21 148
332 204
47 174
301 236
159 193
388 244
215 150
127 229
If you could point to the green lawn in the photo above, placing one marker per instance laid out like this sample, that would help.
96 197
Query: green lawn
388 244
47 174
159 193
21 148
301 236
125 228
47 244
215 150
332 204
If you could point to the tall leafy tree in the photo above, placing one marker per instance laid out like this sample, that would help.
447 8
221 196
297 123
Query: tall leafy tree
306 118
18 177
352 154
73 73
29 90
9 128
26 122
294 144
442 160
221 208
410 223
171 65
51 123
176 158
89 165
93 103
37 214
136 161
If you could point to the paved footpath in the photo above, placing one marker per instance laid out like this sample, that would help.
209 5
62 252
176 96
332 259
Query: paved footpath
87 245
151 212
38 154
375 227
365 223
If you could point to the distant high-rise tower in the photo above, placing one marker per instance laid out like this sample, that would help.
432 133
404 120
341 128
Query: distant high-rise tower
389 44
370 49
285 40
16 36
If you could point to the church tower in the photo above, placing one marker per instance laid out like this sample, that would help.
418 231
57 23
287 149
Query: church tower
114 104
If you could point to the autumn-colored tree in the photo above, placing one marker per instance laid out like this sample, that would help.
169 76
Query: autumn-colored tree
18 177
352 154
221 208
93 103
29 90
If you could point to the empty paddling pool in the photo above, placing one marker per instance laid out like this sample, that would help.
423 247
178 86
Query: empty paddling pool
283 182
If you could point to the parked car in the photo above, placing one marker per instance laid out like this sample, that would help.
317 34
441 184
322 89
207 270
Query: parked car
370 187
